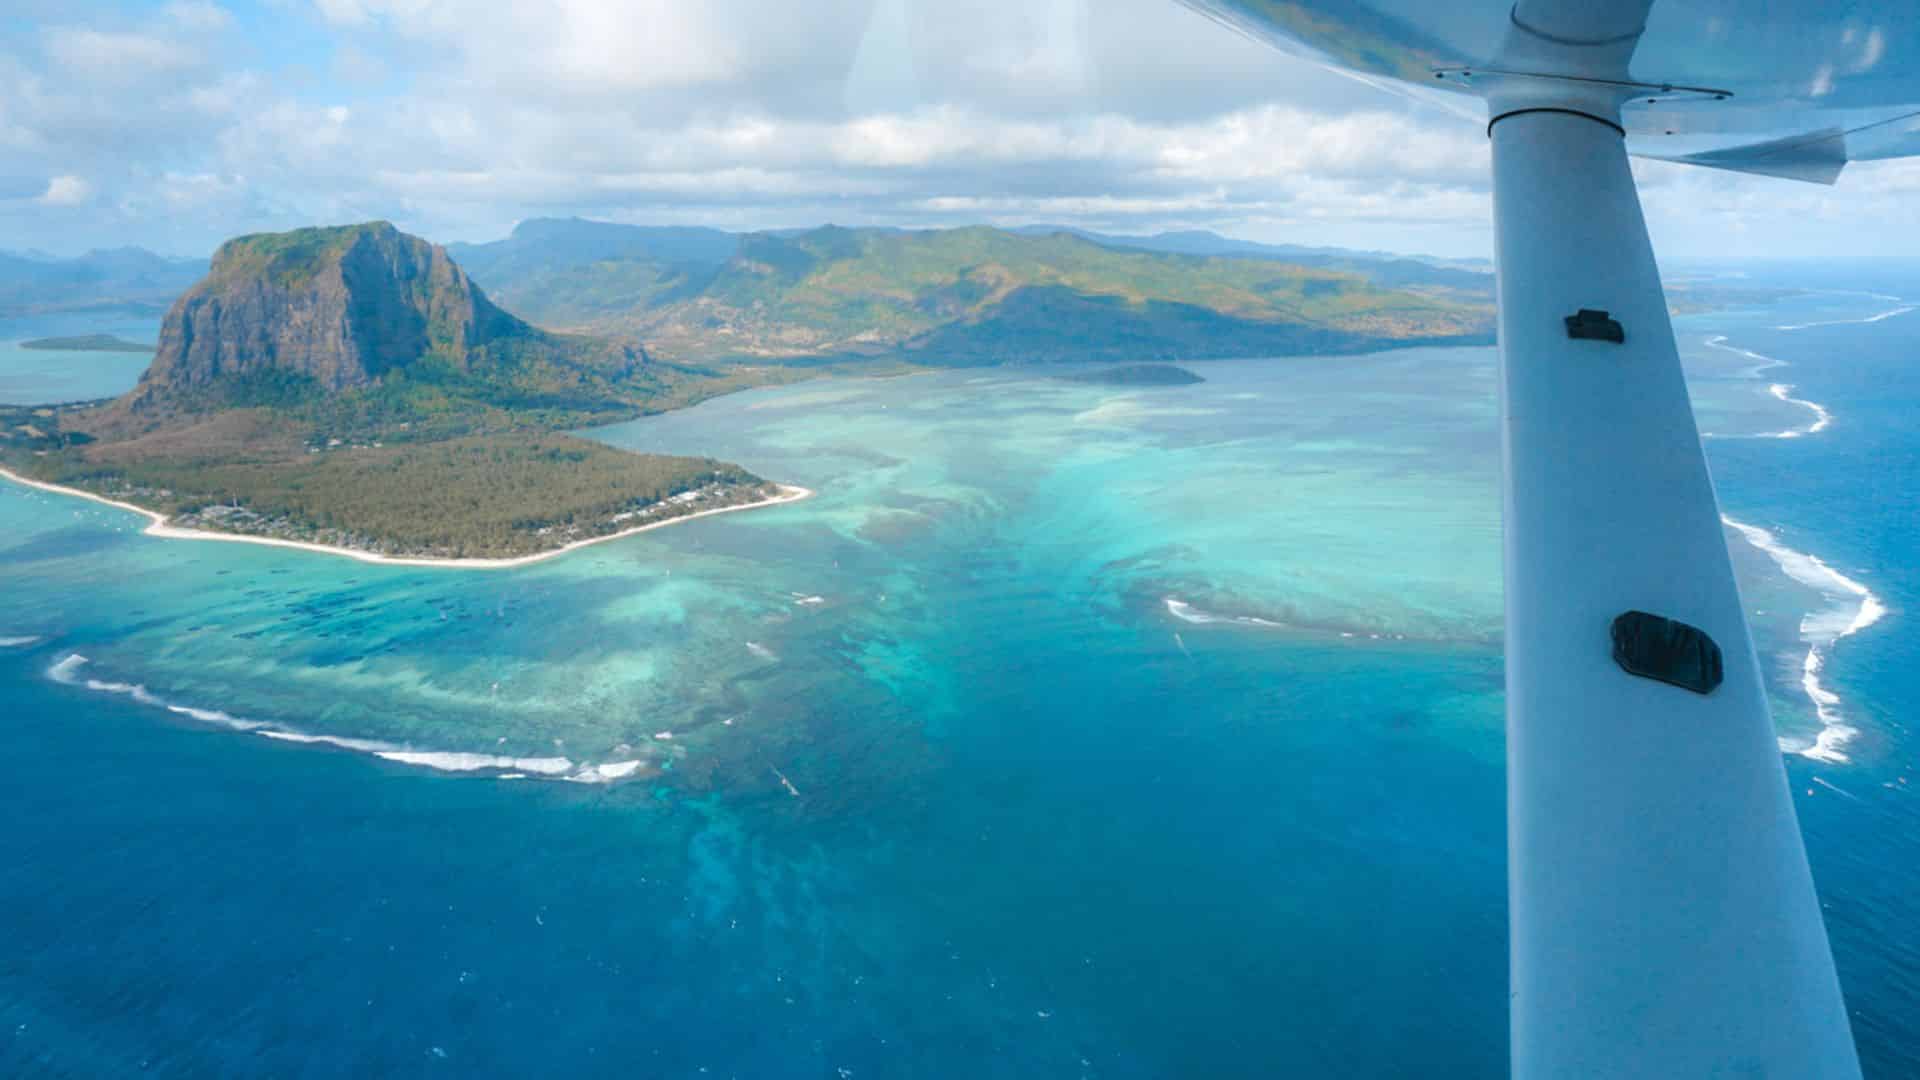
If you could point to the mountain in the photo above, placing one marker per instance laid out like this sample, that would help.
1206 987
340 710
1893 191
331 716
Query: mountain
365 329
571 272
340 306
33 282
1467 278
1201 242
952 296
352 386
576 240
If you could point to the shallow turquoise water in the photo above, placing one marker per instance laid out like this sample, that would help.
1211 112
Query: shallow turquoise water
40 376
1066 731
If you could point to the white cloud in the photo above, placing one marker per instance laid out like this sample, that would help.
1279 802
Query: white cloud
105 57
191 191
458 117
66 190
199 14
588 46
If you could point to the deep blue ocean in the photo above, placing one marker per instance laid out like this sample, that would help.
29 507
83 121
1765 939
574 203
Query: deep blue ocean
1067 731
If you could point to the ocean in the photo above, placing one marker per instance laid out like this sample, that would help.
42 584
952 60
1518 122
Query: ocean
43 376
1068 730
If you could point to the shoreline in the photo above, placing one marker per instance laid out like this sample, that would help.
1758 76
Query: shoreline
157 527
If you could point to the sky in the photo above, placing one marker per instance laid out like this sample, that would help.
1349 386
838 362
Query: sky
173 124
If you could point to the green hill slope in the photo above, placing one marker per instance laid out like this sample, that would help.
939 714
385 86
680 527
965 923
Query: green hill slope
957 296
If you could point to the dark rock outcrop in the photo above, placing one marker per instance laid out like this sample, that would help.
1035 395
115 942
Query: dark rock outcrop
340 306
338 309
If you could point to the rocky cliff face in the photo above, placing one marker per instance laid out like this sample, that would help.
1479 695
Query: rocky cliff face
339 306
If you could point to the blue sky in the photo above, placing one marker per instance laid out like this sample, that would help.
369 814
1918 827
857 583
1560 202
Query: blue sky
173 124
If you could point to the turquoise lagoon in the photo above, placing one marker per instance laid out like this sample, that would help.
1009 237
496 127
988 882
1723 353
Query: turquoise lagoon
40 376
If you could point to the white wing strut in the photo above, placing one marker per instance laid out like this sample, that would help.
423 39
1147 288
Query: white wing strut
1663 920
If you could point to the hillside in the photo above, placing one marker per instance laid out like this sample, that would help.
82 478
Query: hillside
569 272
956 296
1470 279
37 284
352 386
365 330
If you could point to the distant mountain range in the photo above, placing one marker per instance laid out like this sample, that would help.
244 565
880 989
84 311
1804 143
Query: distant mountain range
972 295
969 295
34 283
1202 242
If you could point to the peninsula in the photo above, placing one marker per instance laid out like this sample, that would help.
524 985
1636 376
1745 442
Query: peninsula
160 525
351 390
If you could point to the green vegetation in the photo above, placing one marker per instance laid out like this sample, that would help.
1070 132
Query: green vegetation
508 387
579 272
351 387
496 495
972 295
290 259
1686 297
1136 375
87 343
603 291
364 334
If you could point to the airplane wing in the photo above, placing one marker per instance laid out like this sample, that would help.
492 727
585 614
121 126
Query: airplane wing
1663 920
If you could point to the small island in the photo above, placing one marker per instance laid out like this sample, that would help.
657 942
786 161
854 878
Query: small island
1137 375
88 343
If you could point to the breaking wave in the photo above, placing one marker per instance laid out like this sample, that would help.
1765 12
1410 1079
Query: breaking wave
1188 612
1782 391
1766 363
1851 607
1821 417
68 672
1888 314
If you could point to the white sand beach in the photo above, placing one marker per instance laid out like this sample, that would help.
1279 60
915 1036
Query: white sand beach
158 527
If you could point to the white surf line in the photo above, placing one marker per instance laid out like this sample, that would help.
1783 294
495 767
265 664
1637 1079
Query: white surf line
1783 391
786 783
1852 607
1835 788
68 672
1901 310
158 527
1186 612
1821 417
1198 616
1766 363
